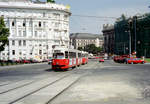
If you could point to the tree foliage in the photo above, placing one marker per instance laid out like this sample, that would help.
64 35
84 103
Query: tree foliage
91 48
4 33
51 1
80 48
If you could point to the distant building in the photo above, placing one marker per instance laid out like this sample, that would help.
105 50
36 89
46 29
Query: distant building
108 33
133 35
34 28
83 39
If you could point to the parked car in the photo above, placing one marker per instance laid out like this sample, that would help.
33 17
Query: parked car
121 58
135 61
18 61
26 61
101 60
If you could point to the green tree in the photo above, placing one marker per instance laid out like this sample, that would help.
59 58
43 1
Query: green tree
4 33
91 48
51 1
80 48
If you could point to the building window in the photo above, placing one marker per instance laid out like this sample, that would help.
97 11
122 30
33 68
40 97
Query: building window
39 24
13 42
44 24
35 33
24 43
56 15
20 53
65 17
44 14
24 24
13 52
24 34
20 33
56 24
13 23
30 23
40 52
19 42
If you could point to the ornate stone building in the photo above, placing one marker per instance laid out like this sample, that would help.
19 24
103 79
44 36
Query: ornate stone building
108 33
83 39
34 28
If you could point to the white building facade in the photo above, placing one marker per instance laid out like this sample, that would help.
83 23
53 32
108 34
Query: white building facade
84 39
34 27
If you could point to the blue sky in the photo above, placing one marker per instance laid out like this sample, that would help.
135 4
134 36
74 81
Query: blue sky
104 8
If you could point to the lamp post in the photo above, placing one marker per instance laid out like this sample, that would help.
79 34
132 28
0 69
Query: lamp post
124 51
130 21
135 18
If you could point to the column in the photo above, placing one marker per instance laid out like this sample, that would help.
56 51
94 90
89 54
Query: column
27 27
16 25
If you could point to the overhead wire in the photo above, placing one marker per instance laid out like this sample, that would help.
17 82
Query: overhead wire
91 16
95 18
81 25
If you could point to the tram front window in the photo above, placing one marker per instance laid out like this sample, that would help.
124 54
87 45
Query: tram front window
59 55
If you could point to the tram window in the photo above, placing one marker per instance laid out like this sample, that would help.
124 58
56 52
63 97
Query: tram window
79 54
58 55
83 55
66 54
72 54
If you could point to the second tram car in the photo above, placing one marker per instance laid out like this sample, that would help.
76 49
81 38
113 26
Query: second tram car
84 58
64 58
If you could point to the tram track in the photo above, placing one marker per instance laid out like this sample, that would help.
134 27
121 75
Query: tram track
48 94
13 102
11 93
16 94
4 83
17 84
8 88
49 102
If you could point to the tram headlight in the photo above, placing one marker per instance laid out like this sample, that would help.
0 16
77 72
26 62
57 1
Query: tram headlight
66 61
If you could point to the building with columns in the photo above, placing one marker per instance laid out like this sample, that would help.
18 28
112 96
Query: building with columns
34 28
109 38
82 39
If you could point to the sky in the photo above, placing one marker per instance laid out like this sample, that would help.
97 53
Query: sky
101 8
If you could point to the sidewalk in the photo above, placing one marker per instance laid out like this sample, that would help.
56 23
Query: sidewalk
21 65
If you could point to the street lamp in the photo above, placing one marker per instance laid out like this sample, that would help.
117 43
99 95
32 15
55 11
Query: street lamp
130 21
135 18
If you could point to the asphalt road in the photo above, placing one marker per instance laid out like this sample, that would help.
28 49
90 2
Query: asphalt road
94 83
110 83
23 72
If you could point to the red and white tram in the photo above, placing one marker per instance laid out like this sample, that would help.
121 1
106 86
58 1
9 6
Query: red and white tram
84 57
64 58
